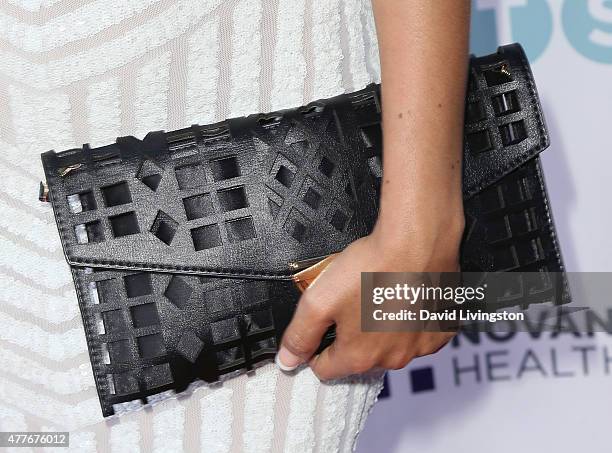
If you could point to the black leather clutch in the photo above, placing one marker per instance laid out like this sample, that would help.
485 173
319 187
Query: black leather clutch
180 244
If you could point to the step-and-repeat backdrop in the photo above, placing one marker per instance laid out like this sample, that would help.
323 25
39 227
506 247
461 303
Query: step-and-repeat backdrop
527 392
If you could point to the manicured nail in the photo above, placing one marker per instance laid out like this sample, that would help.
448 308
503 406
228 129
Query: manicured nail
286 360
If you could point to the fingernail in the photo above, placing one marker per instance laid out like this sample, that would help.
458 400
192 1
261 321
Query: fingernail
286 360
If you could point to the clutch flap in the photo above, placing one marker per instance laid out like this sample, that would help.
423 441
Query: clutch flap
248 196
243 198
504 123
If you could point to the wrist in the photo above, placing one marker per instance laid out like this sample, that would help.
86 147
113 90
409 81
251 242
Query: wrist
424 241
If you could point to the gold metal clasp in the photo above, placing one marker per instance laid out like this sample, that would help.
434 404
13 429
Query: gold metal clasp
64 171
307 271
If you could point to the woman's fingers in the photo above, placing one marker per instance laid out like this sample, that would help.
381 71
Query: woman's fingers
343 359
304 333
329 364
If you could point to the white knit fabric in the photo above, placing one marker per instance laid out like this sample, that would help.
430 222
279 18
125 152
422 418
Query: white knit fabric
87 71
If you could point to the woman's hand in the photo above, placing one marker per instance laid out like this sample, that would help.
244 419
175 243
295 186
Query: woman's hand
424 64
334 298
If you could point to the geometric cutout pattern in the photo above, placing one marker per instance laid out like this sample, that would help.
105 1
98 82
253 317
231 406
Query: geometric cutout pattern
241 229
124 224
480 141
297 226
152 181
515 235
89 232
513 133
339 220
116 194
114 321
150 346
312 198
299 147
189 346
274 207
105 291
150 174
190 176
285 176
198 206
178 292
120 351
497 75
226 168
137 285
233 198
505 103
81 202
326 167
144 315
123 383
322 177
164 227
206 237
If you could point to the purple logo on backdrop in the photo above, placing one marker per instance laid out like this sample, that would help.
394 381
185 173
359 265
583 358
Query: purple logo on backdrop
422 379
477 358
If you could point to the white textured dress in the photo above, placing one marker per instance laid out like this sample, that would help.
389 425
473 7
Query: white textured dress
87 71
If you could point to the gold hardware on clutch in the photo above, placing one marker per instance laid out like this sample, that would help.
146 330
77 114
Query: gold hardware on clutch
309 270
505 70
64 171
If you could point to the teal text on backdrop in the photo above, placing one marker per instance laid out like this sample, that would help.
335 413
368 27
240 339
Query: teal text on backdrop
586 24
